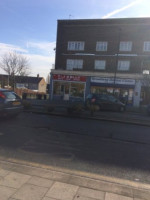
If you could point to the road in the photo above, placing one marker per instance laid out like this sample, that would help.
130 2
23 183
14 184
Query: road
100 147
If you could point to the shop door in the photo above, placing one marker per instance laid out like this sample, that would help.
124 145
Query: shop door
65 91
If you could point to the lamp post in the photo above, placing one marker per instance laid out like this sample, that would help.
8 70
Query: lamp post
116 67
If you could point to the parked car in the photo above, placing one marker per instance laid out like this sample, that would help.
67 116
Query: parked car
10 103
105 102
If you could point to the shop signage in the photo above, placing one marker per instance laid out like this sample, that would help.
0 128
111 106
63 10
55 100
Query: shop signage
61 77
111 81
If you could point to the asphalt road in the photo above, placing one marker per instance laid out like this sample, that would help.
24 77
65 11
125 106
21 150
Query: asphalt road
105 148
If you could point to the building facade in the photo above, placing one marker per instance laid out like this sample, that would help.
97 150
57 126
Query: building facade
101 56
28 82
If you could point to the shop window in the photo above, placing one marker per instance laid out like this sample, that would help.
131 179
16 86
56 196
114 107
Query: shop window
56 88
100 64
98 90
146 46
61 88
77 90
75 46
101 46
123 65
125 46
74 64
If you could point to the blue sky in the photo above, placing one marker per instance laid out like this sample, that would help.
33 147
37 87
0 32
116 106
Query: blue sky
30 26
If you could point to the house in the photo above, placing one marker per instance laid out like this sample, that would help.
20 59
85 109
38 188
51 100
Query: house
101 56
4 80
37 84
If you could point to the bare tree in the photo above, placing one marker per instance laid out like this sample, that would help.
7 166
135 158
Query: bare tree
15 64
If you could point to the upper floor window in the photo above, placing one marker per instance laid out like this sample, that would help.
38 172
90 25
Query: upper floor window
74 64
146 46
75 46
100 64
125 46
123 65
101 46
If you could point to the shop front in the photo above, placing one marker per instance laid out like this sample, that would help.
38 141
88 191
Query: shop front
123 89
66 87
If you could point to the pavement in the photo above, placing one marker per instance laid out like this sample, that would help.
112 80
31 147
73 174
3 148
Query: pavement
25 182
135 118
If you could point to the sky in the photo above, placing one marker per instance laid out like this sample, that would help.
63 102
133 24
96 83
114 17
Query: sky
29 27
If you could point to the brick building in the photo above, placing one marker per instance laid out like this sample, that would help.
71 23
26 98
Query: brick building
28 82
101 56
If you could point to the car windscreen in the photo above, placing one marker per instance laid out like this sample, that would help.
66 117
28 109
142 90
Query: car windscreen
10 95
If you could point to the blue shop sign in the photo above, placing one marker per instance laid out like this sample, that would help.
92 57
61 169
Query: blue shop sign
105 81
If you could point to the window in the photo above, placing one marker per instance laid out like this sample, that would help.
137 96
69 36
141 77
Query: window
73 89
20 85
123 65
75 46
100 64
101 46
74 64
125 46
147 46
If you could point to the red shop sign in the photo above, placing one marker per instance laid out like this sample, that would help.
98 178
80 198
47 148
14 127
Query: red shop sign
61 77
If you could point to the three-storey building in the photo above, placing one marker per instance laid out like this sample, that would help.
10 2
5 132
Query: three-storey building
101 56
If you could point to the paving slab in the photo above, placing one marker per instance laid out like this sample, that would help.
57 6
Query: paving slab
138 193
95 194
105 186
82 198
30 192
40 181
14 180
137 199
62 191
48 198
111 196
6 192
48 174
3 172
12 199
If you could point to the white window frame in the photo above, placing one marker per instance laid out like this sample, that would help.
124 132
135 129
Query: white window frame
101 46
100 64
125 46
74 64
123 65
76 45
146 46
